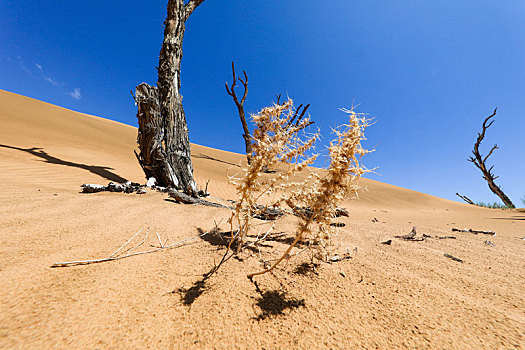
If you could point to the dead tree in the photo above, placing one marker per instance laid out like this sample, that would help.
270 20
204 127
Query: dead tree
240 108
466 199
163 133
479 161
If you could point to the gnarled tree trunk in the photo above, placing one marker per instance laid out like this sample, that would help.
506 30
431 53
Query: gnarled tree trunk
163 133
479 161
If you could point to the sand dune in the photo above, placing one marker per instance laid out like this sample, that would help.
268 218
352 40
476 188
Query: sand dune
403 295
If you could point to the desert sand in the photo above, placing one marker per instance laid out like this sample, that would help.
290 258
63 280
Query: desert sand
403 295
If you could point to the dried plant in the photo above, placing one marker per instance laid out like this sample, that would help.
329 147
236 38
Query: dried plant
322 194
276 145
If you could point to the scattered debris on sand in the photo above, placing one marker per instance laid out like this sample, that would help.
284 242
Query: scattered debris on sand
411 236
487 242
307 212
492 233
126 187
263 212
389 242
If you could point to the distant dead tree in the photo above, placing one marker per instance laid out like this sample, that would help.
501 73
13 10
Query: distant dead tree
294 122
240 108
466 199
163 132
479 161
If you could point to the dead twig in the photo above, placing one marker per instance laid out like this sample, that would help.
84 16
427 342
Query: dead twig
160 241
125 244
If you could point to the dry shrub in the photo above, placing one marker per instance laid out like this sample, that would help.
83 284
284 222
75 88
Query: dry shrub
274 144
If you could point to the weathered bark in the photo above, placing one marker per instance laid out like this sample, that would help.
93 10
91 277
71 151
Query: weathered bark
479 162
163 132
152 157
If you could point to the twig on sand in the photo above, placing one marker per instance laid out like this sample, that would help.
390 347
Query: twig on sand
138 245
493 233
453 258
160 241
125 244
113 257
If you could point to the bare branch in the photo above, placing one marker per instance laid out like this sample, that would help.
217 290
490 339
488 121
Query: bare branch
488 155
245 84
191 6
465 198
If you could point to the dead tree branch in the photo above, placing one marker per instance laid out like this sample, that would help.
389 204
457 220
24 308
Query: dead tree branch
129 254
191 6
479 161
240 108
186 199
465 198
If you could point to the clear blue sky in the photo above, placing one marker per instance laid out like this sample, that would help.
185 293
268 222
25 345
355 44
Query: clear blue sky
429 72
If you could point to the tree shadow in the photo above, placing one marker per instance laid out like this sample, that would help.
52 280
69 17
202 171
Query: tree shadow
204 156
95 169
512 218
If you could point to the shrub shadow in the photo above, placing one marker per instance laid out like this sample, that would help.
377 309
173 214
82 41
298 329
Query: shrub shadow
307 269
189 295
274 303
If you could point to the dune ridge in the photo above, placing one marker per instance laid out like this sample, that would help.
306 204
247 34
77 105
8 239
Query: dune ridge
403 295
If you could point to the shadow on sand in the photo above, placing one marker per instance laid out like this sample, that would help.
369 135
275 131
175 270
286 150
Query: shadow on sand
97 170
512 218
274 302
204 156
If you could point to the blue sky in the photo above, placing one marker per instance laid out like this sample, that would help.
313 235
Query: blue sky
429 72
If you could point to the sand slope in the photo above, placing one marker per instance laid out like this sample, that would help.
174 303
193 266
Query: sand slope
406 295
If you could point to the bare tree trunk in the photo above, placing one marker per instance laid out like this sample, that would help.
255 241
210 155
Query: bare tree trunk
176 140
163 132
